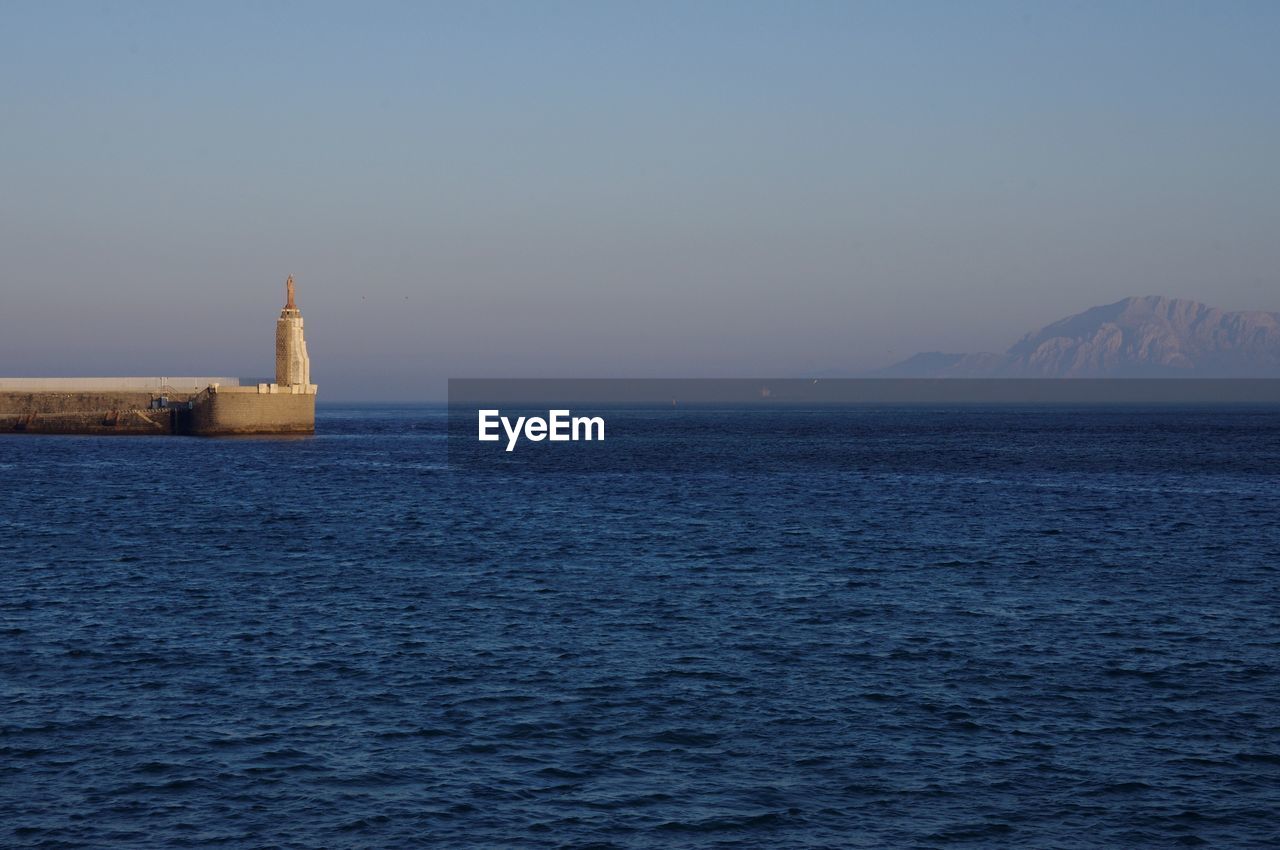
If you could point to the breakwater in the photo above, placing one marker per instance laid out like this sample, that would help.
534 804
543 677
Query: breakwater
211 411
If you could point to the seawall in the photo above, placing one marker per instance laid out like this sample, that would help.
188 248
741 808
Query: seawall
249 410
264 409
87 413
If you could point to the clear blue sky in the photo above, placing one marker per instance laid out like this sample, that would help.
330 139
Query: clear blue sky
684 189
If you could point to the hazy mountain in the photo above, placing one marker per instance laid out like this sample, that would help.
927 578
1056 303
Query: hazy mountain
1134 338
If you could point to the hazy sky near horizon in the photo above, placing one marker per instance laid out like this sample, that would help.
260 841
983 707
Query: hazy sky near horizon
618 189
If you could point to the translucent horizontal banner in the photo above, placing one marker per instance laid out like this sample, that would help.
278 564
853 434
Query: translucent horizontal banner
630 425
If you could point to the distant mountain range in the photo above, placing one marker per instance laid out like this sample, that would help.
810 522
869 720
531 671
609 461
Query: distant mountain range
1151 337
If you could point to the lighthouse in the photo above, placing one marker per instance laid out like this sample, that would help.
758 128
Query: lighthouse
168 405
293 367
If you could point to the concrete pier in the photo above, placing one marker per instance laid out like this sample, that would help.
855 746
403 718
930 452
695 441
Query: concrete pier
210 412
207 406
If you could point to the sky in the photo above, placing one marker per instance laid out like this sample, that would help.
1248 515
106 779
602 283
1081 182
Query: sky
641 189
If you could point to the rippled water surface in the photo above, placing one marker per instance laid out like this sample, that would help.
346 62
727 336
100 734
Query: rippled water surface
855 628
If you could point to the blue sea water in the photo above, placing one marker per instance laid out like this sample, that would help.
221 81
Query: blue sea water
831 628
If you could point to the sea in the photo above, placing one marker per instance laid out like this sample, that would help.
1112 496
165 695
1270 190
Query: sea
846 627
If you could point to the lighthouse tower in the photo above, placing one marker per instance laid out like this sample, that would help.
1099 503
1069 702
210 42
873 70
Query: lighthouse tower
293 367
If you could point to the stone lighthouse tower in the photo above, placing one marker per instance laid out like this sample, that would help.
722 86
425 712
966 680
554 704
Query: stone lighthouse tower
293 367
